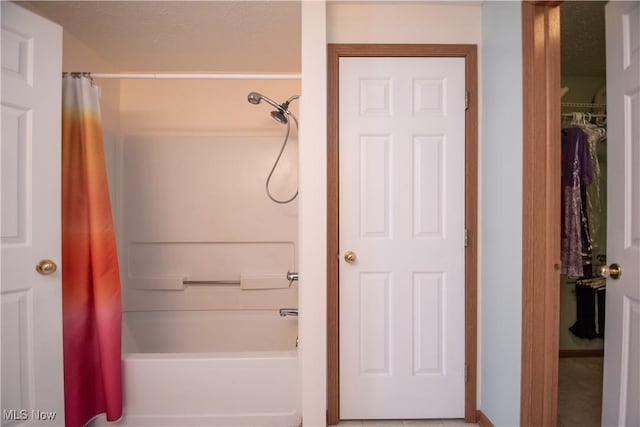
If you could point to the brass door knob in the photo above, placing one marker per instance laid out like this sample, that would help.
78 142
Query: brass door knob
614 271
350 257
46 267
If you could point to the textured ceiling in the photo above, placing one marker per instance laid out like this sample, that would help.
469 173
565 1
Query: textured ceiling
582 38
251 36
216 36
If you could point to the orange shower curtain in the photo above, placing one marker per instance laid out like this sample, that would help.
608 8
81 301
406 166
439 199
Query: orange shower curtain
90 277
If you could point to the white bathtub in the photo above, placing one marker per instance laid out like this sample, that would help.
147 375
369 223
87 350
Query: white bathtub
209 368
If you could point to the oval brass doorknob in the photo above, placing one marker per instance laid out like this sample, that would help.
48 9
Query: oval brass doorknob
350 257
614 271
46 267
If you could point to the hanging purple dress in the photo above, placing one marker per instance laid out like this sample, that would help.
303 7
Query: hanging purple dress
576 175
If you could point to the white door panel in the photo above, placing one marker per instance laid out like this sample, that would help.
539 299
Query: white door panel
402 213
621 388
31 368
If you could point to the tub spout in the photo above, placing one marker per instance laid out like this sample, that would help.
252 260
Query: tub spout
284 312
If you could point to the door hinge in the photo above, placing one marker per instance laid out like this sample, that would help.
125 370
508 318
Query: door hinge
466 238
466 100
466 373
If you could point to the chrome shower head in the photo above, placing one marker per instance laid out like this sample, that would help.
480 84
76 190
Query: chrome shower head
254 98
281 112
280 117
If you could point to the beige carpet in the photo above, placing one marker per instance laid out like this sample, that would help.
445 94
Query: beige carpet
579 391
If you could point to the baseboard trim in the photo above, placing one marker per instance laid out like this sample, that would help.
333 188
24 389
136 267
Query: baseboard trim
587 352
483 421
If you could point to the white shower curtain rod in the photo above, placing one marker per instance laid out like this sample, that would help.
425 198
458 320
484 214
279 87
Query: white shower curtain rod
194 76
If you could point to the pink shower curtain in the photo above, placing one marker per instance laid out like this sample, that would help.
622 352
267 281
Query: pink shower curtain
90 278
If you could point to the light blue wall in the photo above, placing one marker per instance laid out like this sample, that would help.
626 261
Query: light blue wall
501 206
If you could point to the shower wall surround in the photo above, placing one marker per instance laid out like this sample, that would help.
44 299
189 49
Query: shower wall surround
204 107
193 161
196 211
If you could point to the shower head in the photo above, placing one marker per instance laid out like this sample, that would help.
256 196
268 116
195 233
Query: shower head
281 112
280 117
255 98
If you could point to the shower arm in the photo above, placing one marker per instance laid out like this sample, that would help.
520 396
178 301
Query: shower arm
285 108
273 103
293 98
285 105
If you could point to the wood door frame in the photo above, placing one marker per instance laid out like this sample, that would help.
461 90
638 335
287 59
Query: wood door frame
541 213
335 52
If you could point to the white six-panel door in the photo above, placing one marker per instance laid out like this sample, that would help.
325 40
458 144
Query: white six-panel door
402 168
621 388
31 372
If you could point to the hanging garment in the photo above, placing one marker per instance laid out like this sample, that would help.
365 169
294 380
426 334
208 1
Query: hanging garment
576 175
590 312
601 303
594 194
91 307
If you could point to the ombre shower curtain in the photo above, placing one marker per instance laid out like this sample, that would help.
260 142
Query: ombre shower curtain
91 304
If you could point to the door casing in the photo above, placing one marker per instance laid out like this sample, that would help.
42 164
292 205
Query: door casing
541 213
335 52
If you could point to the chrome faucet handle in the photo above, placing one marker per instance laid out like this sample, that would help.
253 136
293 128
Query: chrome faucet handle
285 312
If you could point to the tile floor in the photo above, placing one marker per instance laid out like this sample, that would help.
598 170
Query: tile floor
407 423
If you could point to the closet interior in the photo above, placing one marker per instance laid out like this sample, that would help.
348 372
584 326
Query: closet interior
584 216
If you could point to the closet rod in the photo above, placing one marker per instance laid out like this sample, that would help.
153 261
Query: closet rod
192 76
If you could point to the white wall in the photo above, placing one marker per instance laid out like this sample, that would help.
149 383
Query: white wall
313 216
403 22
501 206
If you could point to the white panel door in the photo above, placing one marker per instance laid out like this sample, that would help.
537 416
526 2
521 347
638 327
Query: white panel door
402 138
31 371
621 388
